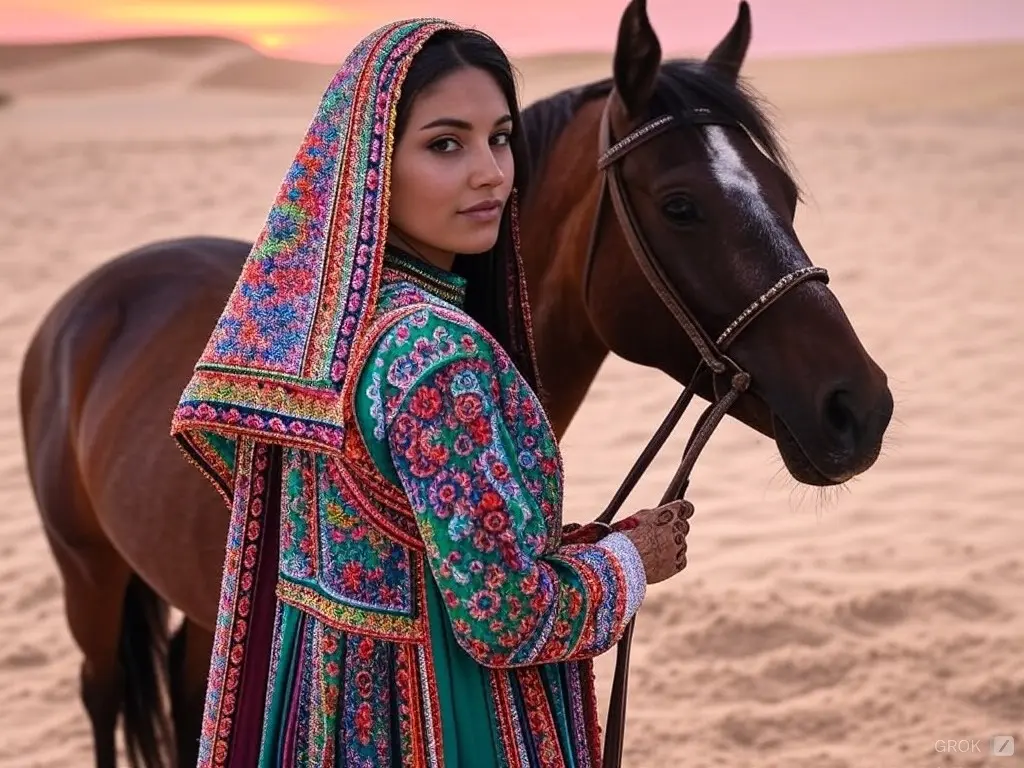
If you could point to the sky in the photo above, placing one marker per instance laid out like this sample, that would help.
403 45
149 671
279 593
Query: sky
324 30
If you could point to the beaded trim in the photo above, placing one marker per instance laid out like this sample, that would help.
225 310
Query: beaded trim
766 297
445 285
640 133
348 618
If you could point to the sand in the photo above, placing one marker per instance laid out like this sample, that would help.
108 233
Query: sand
850 629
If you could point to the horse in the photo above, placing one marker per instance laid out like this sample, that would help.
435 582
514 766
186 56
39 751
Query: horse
135 529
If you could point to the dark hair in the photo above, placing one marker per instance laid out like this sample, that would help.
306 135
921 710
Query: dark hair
493 296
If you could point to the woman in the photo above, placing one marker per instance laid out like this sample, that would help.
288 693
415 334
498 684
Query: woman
397 588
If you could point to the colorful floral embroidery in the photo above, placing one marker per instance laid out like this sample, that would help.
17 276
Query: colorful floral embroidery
280 348
334 562
299 516
366 722
470 445
238 581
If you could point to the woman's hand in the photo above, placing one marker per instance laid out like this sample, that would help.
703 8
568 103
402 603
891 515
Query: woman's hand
659 535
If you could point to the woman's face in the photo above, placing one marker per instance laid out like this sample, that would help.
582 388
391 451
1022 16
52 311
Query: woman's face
452 169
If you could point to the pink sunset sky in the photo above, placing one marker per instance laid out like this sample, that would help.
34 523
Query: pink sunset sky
324 30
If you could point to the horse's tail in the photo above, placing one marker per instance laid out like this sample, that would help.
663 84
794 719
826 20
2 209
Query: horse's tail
142 654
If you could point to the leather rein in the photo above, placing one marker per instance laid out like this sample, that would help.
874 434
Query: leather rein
713 361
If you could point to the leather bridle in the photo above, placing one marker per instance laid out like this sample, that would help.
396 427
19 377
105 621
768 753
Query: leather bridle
713 361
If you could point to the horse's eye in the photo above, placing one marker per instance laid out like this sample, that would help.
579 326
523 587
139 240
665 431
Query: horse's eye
680 209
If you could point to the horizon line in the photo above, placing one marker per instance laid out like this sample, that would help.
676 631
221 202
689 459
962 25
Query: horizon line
291 56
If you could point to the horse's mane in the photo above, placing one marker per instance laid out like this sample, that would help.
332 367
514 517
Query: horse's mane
681 83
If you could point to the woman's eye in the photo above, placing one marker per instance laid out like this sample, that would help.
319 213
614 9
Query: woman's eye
502 139
445 145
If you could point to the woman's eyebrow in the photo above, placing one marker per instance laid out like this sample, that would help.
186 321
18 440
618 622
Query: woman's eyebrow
462 125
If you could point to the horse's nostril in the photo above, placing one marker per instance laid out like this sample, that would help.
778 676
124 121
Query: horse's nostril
840 417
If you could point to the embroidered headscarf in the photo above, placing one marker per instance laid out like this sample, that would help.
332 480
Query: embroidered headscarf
275 366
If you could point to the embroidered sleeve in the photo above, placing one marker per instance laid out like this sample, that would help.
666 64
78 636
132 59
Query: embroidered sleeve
479 464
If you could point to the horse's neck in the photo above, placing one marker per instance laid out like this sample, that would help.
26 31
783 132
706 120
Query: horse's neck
569 353
556 234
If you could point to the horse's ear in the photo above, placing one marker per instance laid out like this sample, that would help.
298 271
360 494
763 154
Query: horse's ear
729 54
637 58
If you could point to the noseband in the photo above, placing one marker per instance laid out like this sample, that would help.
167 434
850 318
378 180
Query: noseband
712 352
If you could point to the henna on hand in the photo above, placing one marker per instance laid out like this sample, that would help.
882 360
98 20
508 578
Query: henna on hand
660 537
677 518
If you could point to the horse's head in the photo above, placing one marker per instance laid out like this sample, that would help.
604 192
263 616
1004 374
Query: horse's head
714 204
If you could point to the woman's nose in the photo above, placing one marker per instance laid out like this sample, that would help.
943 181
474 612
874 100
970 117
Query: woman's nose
487 170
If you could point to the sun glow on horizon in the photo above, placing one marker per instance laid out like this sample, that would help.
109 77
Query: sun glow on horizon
289 27
274 41
236 15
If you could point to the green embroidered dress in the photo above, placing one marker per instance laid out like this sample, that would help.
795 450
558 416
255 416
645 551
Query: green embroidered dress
397 588
456 633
